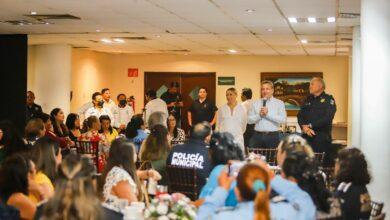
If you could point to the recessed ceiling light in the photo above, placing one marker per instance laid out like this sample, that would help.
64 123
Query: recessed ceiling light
158 36
232 51
47 22
33 12
250 10
105 40
97 30
269 29
311 20
185 54
331 19
118 40
304 41
293 20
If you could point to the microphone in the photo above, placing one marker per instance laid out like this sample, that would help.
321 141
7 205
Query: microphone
264 102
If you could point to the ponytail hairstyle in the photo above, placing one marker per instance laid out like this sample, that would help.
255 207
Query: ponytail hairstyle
156 144
75 194
305 171
253 183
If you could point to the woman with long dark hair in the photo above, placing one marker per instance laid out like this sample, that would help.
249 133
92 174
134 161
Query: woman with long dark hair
10 140
57 118
14 185
106 129
46 156
223 149
176 135
121 180
156 149
73 124
135 131
352 177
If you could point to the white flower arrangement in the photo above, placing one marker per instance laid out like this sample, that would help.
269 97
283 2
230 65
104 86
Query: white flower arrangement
170 207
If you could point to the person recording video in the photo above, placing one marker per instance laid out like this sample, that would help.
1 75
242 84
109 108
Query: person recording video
174 101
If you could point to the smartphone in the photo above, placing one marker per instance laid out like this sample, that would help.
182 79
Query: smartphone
235 167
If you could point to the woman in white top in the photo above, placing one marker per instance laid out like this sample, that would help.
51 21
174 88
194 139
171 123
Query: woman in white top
122 184
232 118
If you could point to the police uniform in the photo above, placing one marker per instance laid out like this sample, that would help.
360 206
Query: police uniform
33 111
318 113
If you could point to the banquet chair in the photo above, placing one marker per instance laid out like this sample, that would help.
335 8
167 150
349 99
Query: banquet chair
269 153
376 209
89 149
319 158
183 180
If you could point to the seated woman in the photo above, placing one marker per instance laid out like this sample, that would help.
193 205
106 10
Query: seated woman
222 150
176 135
14 185
136 131
11 141
303 170
122 183
106 129
252 192
34 130
73 124
156 149
352 177
92 134
65 143
57 118
46 156
75 196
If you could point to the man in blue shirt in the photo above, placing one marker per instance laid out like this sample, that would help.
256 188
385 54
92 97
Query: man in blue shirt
267 113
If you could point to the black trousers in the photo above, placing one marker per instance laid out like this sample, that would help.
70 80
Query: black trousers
264 140
321 143
250 130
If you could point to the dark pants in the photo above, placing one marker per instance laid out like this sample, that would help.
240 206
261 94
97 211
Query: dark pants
321 143
250 129
264 140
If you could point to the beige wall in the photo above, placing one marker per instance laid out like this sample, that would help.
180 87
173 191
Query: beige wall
91 71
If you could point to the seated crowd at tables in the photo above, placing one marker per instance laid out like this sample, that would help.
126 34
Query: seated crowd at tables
41 177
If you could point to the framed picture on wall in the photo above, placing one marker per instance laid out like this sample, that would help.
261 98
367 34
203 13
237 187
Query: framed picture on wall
291 87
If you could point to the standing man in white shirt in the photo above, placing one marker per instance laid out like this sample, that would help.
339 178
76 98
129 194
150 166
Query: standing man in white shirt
155 105
98 108
122 113
246 98
108 102
232 118
268 113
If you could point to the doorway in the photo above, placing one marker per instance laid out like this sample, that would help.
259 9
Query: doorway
190 82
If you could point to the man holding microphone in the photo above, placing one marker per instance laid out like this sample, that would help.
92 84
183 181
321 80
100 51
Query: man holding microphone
267 113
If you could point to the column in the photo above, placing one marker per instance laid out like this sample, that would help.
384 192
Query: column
375 102
355 125
52 76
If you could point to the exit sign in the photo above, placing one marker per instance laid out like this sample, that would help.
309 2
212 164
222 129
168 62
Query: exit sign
132 72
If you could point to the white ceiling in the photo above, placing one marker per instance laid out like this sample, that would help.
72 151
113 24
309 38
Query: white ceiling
200 26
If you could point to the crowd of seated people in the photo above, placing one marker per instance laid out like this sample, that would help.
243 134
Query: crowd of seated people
42 178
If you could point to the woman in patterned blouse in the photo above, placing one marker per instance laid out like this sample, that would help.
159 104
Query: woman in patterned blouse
176 135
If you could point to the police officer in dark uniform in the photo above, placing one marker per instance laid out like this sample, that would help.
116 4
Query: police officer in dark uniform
316 116
32 110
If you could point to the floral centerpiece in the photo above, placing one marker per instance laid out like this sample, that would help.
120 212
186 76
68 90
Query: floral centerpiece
175 206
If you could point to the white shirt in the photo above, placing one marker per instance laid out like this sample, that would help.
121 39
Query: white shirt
247 104
83 109
272 121
122 116
109 105
233 122
156 105
103 111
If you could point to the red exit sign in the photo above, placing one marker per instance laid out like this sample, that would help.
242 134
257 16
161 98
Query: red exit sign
132 72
